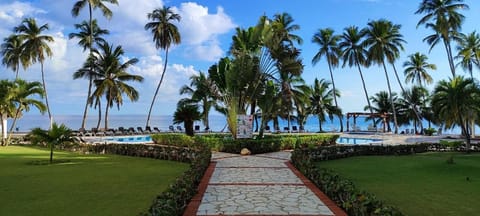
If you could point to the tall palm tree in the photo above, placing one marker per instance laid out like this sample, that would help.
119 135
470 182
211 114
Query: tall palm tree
7 105
454 100
381 103
165 33
354 53
36 48
329 48
113 77
444 18
411 103
200 90
87 39
11 50
383 43
416 69
24 97
321 98
283 27
469 52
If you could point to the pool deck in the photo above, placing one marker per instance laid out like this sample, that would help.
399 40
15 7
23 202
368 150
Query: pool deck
396 139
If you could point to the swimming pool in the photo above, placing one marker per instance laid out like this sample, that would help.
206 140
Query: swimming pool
129 139
357 141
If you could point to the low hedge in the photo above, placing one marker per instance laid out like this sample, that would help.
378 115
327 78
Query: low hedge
173 139
343 191
175 199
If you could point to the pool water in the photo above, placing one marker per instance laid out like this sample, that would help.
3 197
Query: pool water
356 141
130 139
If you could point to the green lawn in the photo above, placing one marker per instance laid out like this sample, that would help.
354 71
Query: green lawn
83 185
422 184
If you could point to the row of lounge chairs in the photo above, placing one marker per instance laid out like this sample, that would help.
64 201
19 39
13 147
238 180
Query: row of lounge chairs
117 132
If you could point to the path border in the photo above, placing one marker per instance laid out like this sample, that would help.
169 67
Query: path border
195 202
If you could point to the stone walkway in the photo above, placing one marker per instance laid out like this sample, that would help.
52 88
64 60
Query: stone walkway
265 184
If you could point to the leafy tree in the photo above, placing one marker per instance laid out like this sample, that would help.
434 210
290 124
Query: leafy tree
113 77
187 114
12 53
469 52
455 101
57 135
321 98
165 33
329 48
444 18
35 46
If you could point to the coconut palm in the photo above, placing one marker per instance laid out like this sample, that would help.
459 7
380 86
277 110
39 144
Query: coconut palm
469 52
383 42
87 39
283 27
7 105
329 48
454 101
165 33
24 97
12 55
416 69
57 134
321 98
35 46
113 77
187 114
411 103
444 18
354 53
381 103
268 101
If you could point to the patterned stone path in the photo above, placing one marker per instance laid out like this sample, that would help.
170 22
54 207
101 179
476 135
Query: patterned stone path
265 184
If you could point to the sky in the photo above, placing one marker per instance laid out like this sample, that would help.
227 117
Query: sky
206 28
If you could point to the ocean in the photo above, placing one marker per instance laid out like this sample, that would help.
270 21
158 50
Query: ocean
217 123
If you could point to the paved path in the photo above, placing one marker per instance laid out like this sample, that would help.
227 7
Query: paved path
265 184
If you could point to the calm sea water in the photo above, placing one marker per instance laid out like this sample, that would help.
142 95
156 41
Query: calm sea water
217 123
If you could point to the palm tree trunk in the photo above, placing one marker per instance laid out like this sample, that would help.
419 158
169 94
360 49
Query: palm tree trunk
99 113
448 48
464 126
15 118
366 95
109 100
335 94
319 123
391 99
158 87
90 84
84 119
51 152
46 96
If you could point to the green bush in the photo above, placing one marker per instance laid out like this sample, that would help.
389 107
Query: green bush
452 144
429 131
175 139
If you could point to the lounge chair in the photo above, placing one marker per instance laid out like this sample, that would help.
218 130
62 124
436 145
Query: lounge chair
294 129
156 129
96 132
110 132
171 128
197 128
179 128
83 132
412 131
267 128
286 129
140 130
121 131
131 130
148 129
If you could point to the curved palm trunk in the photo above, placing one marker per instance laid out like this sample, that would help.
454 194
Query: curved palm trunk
391 100
366 95
335 94
46 96
465 131
85 111
158 87
99 114
206 108
448 48
84 118
109 100
14 123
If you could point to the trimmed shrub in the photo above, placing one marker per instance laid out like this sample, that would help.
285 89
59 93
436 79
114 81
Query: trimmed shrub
175 139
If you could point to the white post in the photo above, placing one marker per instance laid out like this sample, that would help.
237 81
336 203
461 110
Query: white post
4 128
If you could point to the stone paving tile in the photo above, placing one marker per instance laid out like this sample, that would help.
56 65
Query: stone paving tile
265 200
285 155
249 161
254 175
220 155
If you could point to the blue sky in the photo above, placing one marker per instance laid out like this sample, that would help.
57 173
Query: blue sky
207 27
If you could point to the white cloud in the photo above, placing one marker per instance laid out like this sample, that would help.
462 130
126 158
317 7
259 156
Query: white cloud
11 13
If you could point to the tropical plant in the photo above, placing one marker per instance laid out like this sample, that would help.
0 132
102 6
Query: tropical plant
321 98
329 48
455 101
444 18
56 135
35 47
187 114
283 27
7 105
469 52
411 102
165 33
113 77
268 101
12 53
416 69
381 104
383 42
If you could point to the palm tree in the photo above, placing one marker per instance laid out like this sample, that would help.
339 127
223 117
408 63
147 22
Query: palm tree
416 69
321 97
200 90
329 48
454 101
12 54
354 53
187 114
36 48
23 92
469 51
268 101
165 33
112 77
381 103
57 134
412 102
443 17
283 26
7 105
87 39
383 42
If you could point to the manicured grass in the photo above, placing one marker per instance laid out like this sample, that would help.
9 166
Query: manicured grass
422 184
82 185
